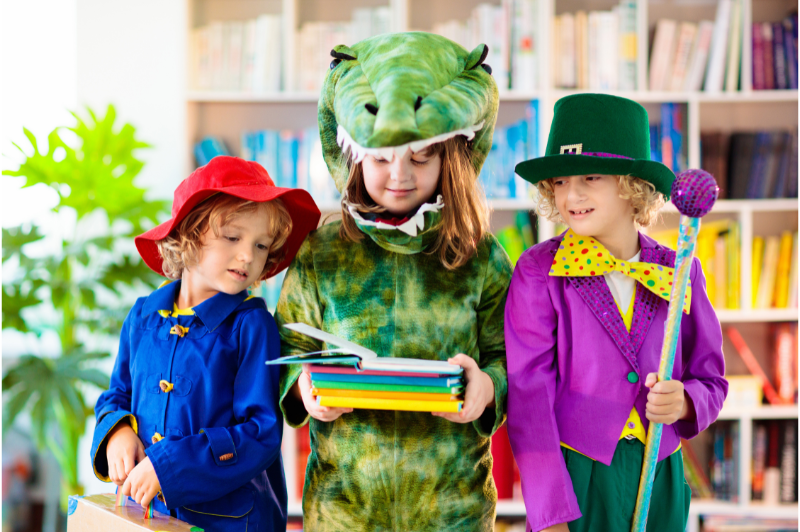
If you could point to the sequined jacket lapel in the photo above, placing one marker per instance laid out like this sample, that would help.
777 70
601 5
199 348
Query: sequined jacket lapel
595 293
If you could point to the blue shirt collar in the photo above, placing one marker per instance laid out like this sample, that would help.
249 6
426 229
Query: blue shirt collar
212 312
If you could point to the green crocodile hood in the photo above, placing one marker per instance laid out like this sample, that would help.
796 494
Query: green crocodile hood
400 91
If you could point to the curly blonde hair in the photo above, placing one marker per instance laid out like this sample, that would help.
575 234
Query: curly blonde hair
182 247
465 217
645 199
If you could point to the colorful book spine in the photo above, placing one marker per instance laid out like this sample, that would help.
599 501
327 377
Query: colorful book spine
757 264
759 81
333 392
389 404
781 297
455 390
779 56
446 382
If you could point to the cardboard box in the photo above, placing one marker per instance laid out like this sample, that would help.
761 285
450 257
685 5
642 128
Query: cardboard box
100 513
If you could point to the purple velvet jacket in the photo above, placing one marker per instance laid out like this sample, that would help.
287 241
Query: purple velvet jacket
569 360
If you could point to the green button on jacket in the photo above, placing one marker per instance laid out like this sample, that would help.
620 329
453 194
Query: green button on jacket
633 377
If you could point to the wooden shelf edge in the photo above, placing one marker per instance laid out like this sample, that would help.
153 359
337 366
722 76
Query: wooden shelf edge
762 412
751 316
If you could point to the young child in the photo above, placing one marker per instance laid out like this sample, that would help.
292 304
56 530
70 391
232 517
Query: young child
410 271
191 413
584 336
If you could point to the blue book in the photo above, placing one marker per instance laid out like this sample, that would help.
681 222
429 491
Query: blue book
208 148
267 152
442 382
790 45
287 160
678 125
247 151
532 120
760 154
779 56
655 143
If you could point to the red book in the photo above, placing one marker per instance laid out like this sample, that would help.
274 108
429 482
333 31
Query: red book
769 60
758 58
351 370
503 464
303 451
753 366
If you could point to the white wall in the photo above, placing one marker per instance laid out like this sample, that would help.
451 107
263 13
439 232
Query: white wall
131 54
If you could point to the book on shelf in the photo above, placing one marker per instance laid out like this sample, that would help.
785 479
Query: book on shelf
773 257
752 165
667 144
774 47
718 249
524 73
595 50
663 50
719 45
240 56
698 58
687 33
695 473
208 148
783 370
774 472
744 392
723 463
734 62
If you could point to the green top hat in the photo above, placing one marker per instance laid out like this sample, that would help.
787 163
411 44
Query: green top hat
598 134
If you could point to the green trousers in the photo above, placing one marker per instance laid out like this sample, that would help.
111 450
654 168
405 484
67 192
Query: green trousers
607 494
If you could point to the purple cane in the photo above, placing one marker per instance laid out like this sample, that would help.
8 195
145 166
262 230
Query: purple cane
693 193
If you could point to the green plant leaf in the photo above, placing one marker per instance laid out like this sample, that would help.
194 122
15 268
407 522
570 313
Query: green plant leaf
16 237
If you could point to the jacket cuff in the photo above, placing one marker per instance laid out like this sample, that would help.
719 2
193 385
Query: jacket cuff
492 419
165 471
689 428
293 410
107 421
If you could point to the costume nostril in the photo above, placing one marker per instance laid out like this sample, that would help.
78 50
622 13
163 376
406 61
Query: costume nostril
371 108
487 68
418 103
334 63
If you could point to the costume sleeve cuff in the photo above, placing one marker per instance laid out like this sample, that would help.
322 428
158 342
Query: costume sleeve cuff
166 473
493 418
691 427
293 410
222 446
107 421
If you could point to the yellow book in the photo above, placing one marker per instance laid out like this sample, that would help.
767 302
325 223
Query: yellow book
758 263
766 285
734 267
720 272
375 394
390 404
781 297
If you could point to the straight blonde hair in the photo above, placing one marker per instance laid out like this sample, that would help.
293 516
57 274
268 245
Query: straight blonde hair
465 216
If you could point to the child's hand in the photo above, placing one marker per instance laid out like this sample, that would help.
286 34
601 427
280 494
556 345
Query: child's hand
142 483
123 452
479 393
666 401
321 413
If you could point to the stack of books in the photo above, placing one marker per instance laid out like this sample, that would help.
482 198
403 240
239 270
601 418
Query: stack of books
348 375
775 54
349 387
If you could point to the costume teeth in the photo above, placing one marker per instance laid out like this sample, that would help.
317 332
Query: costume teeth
358 152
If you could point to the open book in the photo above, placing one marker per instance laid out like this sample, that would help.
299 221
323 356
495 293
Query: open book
341 351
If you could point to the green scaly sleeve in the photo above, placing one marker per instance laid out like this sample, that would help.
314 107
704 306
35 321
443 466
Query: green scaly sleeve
491 336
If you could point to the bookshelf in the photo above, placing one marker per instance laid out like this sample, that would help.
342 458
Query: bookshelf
227 113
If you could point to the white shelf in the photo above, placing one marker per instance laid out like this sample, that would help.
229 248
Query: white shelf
750 316
515 96
762 412
709 507
701 97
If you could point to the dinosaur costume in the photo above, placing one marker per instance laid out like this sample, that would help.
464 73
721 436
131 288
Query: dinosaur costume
386 470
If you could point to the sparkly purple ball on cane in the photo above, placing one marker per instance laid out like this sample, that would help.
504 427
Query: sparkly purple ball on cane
694 193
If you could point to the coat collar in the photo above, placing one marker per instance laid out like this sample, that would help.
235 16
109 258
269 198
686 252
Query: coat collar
212 312
595 293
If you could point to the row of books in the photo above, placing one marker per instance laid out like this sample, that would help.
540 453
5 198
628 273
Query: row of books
774 271
668 137
775 54
689 56
774 475
596 50
718 250
749 165
239 56
511 144
777 385
509 30
315 40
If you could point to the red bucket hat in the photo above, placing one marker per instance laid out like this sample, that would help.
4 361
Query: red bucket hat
243 179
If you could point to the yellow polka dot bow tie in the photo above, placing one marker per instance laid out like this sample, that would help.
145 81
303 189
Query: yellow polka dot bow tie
580 256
